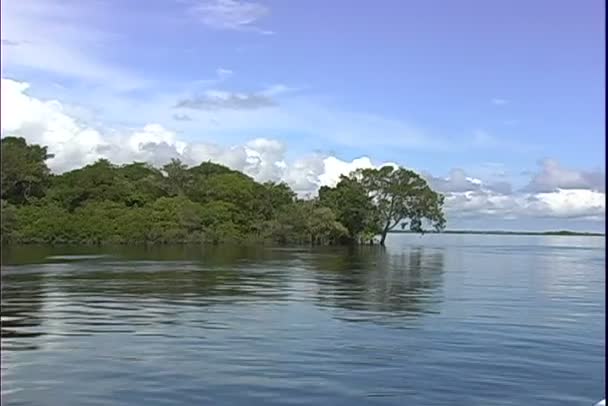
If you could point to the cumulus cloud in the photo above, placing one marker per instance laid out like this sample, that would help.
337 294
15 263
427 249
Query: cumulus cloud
572 203
567 204
458 181
46 123
501 187
231 14
75 144
338 167
468 197
552 176
220 100
556 192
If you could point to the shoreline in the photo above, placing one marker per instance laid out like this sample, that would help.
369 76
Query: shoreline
269 243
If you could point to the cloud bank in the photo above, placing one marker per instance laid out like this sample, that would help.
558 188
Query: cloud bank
553 191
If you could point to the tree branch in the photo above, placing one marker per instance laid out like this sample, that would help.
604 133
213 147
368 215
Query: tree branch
396 222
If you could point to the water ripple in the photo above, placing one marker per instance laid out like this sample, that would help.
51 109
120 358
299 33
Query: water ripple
455 321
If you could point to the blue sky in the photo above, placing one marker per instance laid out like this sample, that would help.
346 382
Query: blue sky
489 88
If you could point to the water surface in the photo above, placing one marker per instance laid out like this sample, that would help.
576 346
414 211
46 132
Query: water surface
433 320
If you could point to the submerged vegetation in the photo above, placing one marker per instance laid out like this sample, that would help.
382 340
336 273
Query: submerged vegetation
137 203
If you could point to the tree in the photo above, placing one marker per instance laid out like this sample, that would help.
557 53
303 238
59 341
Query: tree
352 205
178 179
219 220
25 174
7 220
323 226
401 197
93 183
137 203
208 168
146 183
270 197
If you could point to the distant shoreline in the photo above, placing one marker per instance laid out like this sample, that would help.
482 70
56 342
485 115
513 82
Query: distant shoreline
497 232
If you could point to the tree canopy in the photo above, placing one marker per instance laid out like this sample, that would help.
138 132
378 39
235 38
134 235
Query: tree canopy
24 171
137 203
401 197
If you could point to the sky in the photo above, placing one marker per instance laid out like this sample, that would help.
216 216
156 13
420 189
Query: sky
499 105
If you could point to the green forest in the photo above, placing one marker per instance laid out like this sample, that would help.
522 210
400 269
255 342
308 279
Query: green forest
208 203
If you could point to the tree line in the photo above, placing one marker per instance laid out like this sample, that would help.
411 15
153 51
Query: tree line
207 203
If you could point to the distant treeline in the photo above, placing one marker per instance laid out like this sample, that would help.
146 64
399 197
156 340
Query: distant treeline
497 232
208 203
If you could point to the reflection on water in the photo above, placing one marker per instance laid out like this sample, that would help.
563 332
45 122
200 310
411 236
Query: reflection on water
439 320
22 301
87 294
379 283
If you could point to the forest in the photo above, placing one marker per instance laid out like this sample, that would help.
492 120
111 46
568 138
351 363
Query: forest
136 203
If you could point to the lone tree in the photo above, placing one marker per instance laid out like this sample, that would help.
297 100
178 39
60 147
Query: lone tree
401 197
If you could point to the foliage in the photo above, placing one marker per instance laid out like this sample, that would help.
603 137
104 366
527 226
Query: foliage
401 197
209 203
352 205
8 221
177 179
24 171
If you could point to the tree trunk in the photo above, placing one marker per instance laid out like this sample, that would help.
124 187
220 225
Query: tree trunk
383 237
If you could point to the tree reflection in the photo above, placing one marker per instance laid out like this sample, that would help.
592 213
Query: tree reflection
126 289
370 279
134 288
22 301
175 273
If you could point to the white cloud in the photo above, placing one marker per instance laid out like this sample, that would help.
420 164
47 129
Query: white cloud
265 159
315 119
277 89
572 204
231 14
214 100
75 144
46 123
553 176
471 197
334 168
499 102
467 197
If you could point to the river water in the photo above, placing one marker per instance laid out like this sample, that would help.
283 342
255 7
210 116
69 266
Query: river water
433 320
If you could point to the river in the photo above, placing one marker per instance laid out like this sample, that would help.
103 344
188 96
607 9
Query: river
433 320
